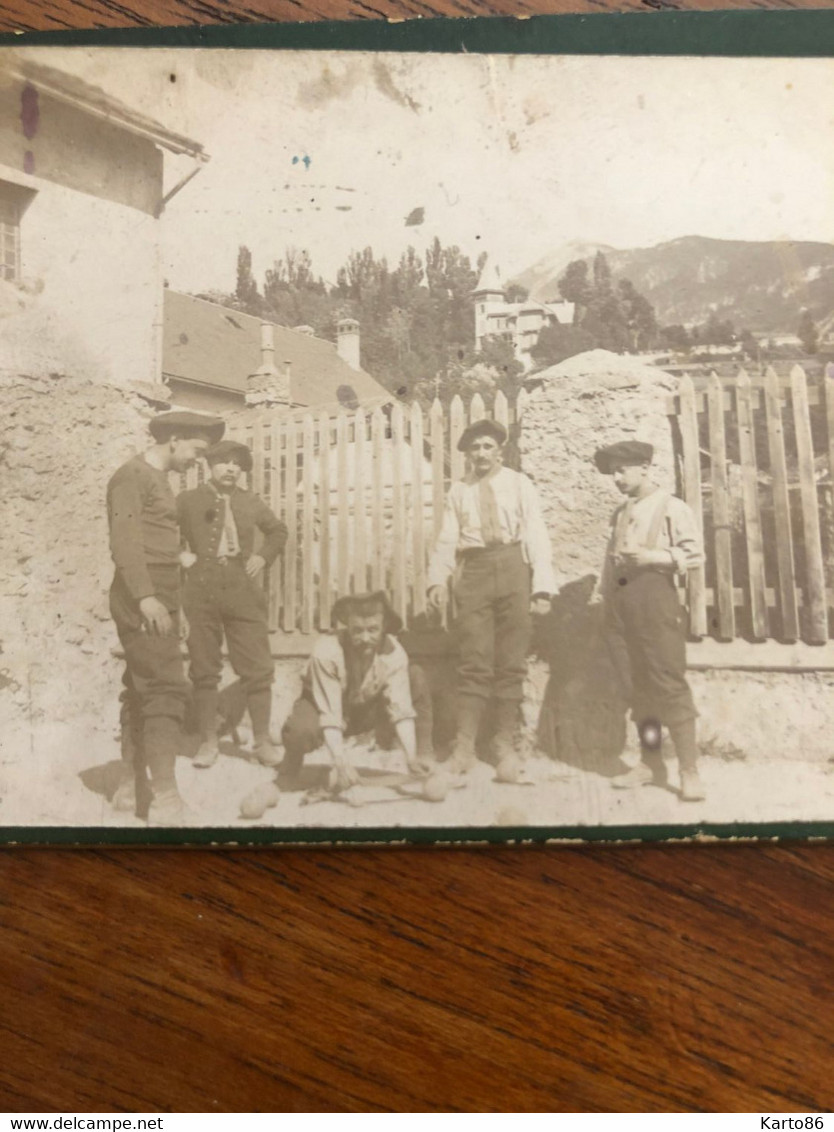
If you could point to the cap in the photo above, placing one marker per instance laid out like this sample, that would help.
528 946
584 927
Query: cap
485 427
623 453
229 450
163 425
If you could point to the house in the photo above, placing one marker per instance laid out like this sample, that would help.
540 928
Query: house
213 356
518 322
84 179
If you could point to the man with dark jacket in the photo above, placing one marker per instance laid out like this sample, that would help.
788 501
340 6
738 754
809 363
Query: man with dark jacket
224 594
145 604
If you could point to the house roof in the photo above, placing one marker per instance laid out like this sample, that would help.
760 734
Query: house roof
489 280
92 99
218 347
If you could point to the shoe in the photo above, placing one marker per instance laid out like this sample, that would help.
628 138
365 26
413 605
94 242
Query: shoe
692 789
640 775
461 760
267 753
207 754
124 796
168 809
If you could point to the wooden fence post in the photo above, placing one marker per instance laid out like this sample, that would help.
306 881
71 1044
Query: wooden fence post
399 548
360 526
815 597
781 506
722 530
418 510
750 500
291 519
692 493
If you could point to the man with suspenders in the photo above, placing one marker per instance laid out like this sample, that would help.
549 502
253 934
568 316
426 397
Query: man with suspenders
654 538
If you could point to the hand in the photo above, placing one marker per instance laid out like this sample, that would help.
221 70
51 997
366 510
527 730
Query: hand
342 776
187 559
540 605
643 557
255 565
418 767
437 597
156 618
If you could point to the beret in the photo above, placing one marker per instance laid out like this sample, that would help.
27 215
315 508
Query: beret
185 421
229 450
484 427
623 453
346 605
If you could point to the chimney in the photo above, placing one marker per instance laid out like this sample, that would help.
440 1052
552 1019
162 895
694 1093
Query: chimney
266 386
347 341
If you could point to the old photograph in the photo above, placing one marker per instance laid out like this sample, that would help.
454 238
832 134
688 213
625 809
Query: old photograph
415 442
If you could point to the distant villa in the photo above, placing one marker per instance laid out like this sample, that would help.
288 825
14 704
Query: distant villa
518 323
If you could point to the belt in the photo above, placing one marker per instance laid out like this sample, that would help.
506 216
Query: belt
477 551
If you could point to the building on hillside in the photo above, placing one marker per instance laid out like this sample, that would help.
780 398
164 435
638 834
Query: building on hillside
518 323
217 359
84 180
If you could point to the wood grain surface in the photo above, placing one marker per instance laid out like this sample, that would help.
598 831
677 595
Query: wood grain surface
614 979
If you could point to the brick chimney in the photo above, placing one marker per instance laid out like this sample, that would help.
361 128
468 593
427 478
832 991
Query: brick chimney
347 341
266 386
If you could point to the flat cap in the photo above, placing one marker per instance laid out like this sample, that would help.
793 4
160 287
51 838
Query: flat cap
183 421
229 450
482 428
357 603
625 452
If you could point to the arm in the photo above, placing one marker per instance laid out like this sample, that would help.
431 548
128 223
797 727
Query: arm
345 775
442 562
537 539
686 551
126 541
273 530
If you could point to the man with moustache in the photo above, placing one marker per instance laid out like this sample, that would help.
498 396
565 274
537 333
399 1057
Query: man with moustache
654 538
493 537
146 607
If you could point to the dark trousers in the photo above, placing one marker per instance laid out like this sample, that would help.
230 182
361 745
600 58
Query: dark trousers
646 639
155 689
493 625
220 598
302 731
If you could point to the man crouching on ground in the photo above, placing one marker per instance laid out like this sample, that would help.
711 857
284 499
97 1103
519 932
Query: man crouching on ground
359 680
654 537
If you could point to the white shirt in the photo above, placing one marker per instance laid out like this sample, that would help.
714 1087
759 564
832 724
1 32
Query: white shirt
520 517
678 534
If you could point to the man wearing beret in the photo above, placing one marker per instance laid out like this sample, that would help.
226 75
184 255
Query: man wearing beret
145 604
224 594
654 538
359 680
494 537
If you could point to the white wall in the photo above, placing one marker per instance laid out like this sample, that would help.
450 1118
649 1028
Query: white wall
91 270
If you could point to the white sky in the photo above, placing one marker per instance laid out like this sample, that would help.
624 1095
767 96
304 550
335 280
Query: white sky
515 155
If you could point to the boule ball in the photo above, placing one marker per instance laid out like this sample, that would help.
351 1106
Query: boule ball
259 800
508 769
436 787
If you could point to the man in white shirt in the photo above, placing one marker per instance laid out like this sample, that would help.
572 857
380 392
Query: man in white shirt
654 538
494 541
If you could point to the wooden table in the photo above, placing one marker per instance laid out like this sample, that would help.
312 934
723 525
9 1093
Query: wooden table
622 978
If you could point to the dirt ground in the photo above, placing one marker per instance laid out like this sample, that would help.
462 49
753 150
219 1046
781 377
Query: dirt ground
61 774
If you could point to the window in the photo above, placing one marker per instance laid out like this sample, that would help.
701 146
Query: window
13 202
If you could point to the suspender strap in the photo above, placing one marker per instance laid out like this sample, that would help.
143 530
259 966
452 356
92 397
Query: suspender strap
658 517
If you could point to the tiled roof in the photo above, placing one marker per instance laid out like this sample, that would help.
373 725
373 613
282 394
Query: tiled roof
70 88
219 347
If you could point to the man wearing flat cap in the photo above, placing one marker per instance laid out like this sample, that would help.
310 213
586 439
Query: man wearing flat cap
145 604
359 680
654 538
493 537
224 595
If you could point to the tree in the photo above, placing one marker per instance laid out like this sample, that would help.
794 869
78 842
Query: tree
574 286
515 293
675 337
246 292
808 333
556 342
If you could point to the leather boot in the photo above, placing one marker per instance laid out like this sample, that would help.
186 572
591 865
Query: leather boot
505 741
161 741
124 796
260 710
686 748
205 703
463 757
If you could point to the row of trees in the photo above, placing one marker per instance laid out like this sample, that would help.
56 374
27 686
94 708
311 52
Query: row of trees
417 319
417 322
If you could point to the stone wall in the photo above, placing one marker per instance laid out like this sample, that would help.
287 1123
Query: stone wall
60 440
588 401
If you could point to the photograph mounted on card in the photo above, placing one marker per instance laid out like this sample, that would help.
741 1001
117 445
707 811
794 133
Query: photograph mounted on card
415 447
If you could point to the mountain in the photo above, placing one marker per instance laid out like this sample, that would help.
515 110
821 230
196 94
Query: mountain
758 285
